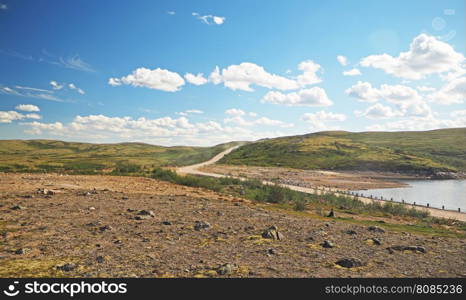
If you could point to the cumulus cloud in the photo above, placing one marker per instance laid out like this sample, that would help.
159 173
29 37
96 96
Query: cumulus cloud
189 111
420 123
352 72
423 88
315 96
162 131
27 107
319 120
309 75
451 93
210 19
242 76
379 111
198 79
157 79
363 91
342 60
426 55
242 118
10 116
407 99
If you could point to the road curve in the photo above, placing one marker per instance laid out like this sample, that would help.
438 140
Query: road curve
194 170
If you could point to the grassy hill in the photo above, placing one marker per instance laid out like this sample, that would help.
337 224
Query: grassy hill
84 158
407 152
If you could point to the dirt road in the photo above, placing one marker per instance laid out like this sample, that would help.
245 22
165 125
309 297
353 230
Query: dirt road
194 170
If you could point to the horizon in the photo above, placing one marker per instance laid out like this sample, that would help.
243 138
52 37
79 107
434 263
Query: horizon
202 74
232 141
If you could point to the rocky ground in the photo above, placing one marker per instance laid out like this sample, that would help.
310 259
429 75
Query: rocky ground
109 226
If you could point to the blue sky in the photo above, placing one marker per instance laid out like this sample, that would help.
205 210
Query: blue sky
100 71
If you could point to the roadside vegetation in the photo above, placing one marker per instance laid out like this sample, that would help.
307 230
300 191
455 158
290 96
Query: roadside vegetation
46 156
425 152
290 200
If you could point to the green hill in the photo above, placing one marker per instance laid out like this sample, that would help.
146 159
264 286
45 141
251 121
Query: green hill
84 158
407 152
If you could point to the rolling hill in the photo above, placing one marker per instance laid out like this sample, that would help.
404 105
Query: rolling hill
84 158
426 152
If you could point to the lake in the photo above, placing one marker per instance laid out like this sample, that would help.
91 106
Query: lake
450 193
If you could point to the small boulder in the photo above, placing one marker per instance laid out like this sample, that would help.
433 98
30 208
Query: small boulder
375 229
22 251
331 214
18 207
407 248
350 263
351 232
146 213
105 228
201 225
272 233
225 269
168 223
66 267
327 244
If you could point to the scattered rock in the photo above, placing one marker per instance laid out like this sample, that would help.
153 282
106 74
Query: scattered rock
100 259
22 251
46 192
375 229
105 228
376 241
331 214
143 217
91 208
146 213
124 198
66 267
18 207
272 233
201 225
351 232
327 244
350 263
407 248
131 210
166 223
271 251
225 269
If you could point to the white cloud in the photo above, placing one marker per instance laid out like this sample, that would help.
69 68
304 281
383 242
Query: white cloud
424 88
157 79
171 12
30 93
238 117
319 120
379 111
458 113
240 77
420 123
74 62
210 19
10 116
352 72
315 96
3 6
363 91
55 85
426 55
309 75
198 79
27 107
162 131
342 60
451 93
189 111
73 87
235 112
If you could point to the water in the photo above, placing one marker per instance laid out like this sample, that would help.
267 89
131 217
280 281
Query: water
450 193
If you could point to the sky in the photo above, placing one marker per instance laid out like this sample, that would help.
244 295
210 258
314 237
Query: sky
202 73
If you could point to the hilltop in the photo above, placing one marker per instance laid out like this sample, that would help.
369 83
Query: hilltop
86 158
421 152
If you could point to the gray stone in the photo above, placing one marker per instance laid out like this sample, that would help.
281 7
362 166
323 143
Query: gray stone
350 263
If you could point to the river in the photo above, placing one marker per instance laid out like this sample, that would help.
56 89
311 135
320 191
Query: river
449 193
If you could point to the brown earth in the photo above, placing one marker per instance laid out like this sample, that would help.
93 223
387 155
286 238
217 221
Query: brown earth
90 223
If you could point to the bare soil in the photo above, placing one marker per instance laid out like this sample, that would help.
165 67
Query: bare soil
89 222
